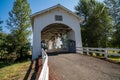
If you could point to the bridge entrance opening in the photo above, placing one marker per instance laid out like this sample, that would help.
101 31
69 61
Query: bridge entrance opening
58 37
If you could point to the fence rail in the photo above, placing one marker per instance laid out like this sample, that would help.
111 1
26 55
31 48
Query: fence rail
44 75
105 51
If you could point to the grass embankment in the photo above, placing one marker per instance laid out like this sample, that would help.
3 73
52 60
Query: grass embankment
117 59
110 57
16 71
114 58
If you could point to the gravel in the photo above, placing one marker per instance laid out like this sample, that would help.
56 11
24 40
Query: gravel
74 66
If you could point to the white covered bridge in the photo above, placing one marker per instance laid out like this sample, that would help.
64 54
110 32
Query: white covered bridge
56 27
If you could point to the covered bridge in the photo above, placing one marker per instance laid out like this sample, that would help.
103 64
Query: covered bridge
56 27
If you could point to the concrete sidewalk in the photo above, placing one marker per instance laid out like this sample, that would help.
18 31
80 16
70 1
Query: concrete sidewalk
82 67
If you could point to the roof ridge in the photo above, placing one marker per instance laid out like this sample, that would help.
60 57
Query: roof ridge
55 6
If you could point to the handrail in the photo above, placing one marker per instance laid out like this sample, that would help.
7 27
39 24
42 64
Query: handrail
105 51
44 75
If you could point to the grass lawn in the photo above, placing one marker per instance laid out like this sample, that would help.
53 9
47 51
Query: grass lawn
16 71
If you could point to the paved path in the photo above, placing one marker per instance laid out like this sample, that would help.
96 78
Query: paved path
82 67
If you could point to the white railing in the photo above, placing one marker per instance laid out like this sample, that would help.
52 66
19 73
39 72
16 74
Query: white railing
44 75
105 51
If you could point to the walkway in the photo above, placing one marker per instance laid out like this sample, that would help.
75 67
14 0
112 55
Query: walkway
82 67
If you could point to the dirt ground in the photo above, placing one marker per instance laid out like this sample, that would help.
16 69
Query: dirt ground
81 67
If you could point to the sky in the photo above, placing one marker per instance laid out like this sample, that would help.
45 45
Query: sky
35 5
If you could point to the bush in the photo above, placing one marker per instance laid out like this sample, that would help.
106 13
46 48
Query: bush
97 54
91 53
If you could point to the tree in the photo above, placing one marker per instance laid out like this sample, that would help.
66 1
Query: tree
1 37
96 24
114 11
19 25
0 25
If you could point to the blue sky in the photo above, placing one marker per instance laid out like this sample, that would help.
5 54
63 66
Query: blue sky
36 5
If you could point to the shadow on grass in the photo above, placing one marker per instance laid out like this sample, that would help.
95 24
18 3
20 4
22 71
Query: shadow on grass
5 62
2 64
30 75
28 72
34 70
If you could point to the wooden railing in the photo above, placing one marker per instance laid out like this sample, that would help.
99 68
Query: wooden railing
44 75
105 51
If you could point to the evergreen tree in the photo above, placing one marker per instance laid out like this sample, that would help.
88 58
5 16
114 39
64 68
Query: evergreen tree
2 41
1 25
19 25
114 11
96 25
1 36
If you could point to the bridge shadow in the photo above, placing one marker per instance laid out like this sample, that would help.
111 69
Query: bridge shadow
54 53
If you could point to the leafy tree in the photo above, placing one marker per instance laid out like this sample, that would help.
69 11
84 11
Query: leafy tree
96 24
114 11
7 53
19 24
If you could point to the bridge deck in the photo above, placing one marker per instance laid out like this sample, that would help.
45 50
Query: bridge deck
81 67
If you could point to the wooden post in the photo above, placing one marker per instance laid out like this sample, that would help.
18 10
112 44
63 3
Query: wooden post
106 54
42 57
87 51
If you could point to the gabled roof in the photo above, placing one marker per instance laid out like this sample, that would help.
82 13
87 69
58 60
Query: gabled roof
53 7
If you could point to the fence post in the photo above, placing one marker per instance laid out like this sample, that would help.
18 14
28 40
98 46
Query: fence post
42 58
106 54
87 51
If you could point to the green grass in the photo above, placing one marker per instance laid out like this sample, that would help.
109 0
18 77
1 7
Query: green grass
114 58
15 71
